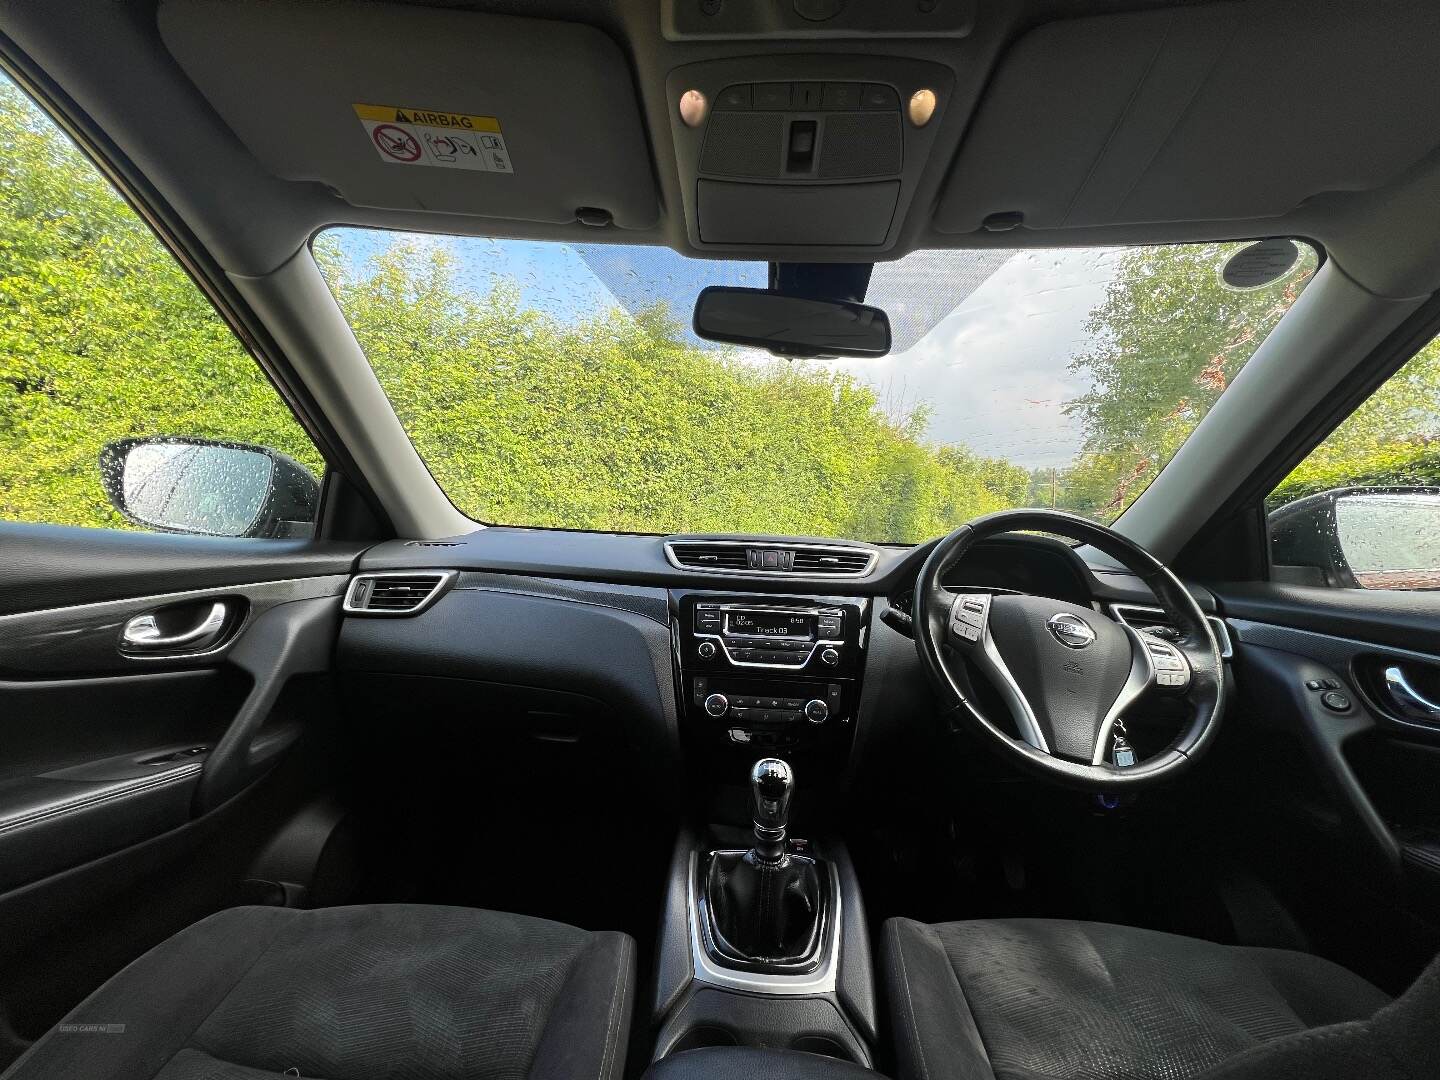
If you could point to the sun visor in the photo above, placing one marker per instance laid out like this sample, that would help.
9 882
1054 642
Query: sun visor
1216 112
412 108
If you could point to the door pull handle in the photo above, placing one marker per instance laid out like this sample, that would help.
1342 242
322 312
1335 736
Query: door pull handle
143 633
1409 702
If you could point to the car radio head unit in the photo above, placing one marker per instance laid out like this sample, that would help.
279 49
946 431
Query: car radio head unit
774 636
774 673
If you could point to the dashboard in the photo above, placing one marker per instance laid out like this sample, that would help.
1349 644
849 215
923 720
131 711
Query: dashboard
694 647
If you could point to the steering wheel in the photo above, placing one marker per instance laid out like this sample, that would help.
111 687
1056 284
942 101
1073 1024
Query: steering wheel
1068 673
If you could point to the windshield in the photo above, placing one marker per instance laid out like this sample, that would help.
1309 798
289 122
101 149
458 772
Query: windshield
559 385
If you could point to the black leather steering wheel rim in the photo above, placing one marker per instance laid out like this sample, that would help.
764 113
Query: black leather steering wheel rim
1205 693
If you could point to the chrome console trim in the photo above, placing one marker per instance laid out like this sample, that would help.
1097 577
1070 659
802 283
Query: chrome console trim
822 980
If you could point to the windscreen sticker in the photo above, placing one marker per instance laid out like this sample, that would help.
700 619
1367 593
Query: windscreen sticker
443 140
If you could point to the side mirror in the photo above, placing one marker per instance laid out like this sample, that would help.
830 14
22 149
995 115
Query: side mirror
211 488
1368 538
790 325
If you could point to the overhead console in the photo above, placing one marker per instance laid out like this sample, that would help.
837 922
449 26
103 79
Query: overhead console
810 151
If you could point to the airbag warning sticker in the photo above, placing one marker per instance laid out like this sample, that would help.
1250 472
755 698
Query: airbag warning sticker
443 140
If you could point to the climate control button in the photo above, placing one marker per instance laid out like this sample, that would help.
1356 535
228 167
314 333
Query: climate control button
816 711
717 705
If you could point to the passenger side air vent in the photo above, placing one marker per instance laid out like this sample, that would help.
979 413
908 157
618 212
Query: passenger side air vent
435 543
397 592
708 556
770 557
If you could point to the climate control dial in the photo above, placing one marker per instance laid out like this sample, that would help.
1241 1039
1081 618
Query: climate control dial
816 711
717 705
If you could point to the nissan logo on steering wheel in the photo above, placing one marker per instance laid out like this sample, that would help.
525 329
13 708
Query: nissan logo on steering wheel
1070 630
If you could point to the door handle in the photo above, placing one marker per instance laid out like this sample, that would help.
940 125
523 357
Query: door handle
143 633
1411 703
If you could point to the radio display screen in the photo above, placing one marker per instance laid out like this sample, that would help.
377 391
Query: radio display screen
771 624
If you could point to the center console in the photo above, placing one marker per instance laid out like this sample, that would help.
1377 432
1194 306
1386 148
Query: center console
763 941
770 673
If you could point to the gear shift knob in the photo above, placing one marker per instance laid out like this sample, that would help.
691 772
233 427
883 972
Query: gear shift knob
771 785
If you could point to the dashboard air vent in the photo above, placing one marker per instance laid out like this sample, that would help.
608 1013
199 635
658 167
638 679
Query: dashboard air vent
770 557
435 543
395 592
709 556
831 562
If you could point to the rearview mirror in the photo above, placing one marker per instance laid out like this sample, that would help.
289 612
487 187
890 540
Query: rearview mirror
790 325
1369 538
210 488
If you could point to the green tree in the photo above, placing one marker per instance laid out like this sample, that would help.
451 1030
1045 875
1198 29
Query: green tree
1393 438
102 335
1169 338
618 423
1164 343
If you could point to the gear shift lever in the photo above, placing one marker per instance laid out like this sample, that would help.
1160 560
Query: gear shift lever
771 785
764 905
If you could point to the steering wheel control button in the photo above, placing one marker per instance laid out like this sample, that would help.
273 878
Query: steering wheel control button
1170 667
816 711
706 650
1335 701
717 705
967 616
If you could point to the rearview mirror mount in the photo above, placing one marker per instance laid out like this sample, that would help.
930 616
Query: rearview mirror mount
792 326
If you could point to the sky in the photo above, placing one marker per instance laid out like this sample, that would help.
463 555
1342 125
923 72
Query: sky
982 337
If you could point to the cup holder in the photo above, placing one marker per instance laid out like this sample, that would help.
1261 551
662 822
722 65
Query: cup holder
703 1036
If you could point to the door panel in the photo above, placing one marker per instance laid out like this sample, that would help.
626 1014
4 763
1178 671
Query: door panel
1340 775
108 744
138 787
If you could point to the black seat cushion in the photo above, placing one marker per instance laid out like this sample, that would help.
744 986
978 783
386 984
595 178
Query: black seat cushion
355 993
1024 999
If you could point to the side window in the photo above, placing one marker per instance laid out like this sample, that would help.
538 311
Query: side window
1363 510
125 401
